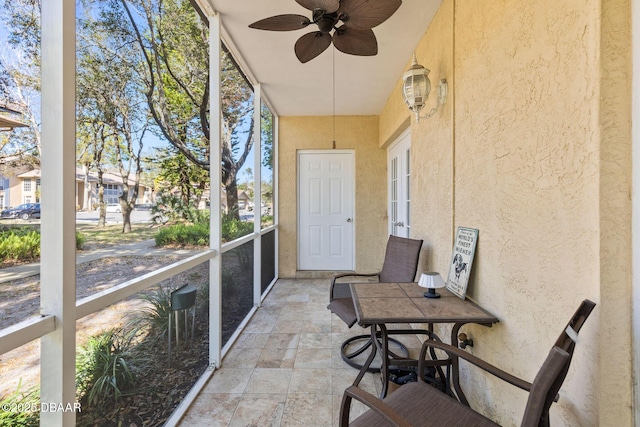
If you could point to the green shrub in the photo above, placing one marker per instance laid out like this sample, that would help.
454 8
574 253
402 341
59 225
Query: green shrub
20 244
266 221
199 216
171 208
23 244
198 234
19 408
182 234
233 228
156 316
103 367
81 239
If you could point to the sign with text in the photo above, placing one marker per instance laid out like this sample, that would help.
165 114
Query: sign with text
464 249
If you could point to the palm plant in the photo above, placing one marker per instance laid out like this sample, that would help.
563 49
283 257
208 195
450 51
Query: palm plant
16 408
156 315
103 366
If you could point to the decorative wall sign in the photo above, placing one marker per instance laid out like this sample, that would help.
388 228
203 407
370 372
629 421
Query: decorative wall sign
464 249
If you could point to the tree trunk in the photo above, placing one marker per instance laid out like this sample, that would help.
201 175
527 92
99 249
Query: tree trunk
103 209
232 198
87 188
126 217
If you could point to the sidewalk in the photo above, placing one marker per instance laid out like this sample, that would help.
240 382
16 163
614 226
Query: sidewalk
143 248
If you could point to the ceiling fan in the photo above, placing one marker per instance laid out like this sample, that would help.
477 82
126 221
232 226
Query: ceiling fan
355 35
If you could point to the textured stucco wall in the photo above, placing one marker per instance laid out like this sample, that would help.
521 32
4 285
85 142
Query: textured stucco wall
615 206
533 149
526 175
432 150
359 133
395 116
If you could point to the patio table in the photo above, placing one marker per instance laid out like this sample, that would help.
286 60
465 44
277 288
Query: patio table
380 304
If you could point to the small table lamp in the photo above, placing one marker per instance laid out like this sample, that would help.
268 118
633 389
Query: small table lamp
432 281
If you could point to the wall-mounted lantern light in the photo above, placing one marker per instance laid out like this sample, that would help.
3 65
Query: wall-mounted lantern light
416 89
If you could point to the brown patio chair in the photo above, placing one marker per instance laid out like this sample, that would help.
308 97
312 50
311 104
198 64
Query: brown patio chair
419 404
400 266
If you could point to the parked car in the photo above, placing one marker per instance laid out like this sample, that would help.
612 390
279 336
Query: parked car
25 211
113 208
143 207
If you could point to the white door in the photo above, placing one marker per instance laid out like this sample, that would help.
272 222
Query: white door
325 210
399 177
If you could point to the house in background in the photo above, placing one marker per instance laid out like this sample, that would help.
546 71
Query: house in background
244 200
112 189
21 184
11 185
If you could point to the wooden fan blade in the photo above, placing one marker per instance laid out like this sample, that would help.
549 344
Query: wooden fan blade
355 42
365 14
282 23
311 45
329 6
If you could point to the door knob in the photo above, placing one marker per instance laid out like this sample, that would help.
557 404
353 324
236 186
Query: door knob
349 220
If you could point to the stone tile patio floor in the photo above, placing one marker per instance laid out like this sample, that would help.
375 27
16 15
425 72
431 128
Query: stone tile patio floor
285 369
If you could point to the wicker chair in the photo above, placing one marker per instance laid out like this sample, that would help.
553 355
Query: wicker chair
418 404
400 266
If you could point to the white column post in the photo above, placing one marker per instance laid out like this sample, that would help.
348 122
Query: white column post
275 190
215 180
58 252
257 196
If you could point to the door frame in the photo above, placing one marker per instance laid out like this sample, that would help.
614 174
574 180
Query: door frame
405 134
352 154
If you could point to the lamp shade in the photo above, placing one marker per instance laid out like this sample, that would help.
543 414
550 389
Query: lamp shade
431 280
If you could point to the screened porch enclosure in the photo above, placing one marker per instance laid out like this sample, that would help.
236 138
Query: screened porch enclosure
239 265
533 147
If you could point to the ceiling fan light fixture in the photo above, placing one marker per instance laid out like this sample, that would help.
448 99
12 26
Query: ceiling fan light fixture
357 16
326 23
417 86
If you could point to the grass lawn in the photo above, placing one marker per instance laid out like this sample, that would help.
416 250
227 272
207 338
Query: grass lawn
109 235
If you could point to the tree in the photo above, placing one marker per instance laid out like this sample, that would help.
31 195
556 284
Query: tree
109 99
248 183
266 136
91 143
175 70
162 49
20 75
178 172
108 95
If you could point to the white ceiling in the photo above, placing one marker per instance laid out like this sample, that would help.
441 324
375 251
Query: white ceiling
362 84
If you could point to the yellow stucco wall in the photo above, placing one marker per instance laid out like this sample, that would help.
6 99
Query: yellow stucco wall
615 211
533 149
358 133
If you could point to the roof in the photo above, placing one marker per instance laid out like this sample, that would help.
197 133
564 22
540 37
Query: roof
7 123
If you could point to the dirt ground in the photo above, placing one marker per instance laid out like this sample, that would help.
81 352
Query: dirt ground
20 299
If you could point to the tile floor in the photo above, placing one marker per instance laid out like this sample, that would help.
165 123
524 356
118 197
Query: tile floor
285 369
